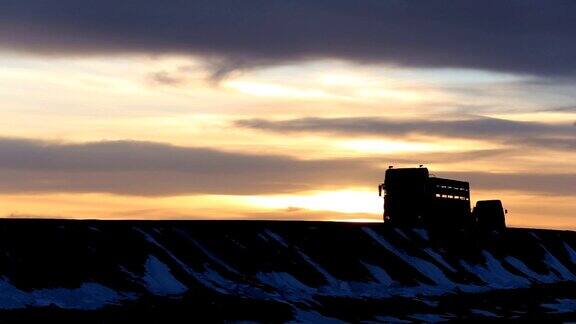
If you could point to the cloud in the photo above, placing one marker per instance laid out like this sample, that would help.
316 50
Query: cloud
166 78
566 109
558 136
513 36
273 214
541 183
153 169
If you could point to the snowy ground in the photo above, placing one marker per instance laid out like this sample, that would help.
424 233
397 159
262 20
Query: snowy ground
282 271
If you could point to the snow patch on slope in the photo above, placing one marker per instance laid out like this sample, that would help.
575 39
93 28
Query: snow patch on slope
482 312
562 306
287 286
379 274
426 268
570 252
439 259
494 274
208 253
276 237
423 233
308 316
159 280
429 318
522 267
210 278
88 296
556 265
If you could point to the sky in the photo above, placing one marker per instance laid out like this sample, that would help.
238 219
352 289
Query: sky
283 109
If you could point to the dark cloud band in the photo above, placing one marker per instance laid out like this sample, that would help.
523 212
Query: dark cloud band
556 136
535 37
153 169
143 168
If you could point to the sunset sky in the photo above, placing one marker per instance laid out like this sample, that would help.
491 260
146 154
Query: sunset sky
283 109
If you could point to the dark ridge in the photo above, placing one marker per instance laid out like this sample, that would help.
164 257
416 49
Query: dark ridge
277 271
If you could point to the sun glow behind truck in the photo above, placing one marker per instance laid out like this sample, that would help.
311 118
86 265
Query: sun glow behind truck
412 197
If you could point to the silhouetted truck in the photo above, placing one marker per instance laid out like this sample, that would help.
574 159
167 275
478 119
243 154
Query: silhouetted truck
414 198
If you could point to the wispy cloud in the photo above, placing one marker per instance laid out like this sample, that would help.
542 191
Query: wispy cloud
540 183
546 135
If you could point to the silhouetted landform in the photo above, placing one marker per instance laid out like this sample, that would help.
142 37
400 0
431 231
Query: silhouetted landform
279 271
414 198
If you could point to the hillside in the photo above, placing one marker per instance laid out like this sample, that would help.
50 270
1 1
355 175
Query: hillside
158 271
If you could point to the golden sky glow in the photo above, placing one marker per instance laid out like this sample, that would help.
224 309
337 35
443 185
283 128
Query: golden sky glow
173 100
